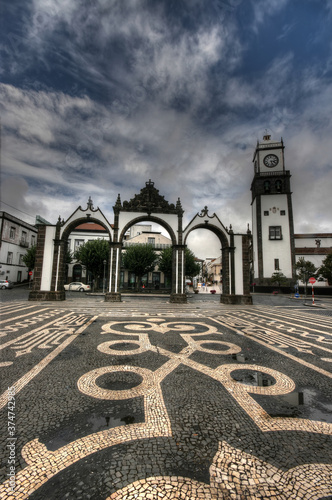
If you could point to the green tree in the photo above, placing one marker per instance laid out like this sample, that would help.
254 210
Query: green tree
192 268
279 279
165 262
304 270
29 258
140 259
326 268
69 257
92 255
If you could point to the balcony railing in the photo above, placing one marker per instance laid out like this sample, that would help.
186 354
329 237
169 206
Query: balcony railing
273 173
156 246
24 243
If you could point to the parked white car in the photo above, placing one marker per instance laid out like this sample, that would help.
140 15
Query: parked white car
6 284
77 286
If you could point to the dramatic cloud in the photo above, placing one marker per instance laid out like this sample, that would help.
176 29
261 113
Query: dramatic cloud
98 97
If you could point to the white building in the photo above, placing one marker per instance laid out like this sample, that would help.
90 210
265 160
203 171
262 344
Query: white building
314 247
16 237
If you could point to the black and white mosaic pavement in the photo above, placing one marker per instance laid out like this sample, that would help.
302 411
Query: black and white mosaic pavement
146 399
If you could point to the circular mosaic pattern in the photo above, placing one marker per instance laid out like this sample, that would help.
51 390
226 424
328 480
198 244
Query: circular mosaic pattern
218 347
88 385
119 381
283 383
253 377
116 346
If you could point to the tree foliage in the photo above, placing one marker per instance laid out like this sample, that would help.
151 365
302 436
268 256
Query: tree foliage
140 259
92 255
29 258
279 279
326 268
192 268
165 261
305 269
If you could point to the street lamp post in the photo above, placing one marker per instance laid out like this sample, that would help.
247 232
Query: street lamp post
105 262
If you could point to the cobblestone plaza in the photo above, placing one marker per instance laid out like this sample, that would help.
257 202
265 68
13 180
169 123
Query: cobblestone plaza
149 400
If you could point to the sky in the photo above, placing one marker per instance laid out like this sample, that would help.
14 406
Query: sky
99 96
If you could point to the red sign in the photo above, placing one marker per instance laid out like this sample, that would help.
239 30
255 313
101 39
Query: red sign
312 280
30 273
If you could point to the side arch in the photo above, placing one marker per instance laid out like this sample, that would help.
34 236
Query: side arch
61 247
50 266
64 234
225 250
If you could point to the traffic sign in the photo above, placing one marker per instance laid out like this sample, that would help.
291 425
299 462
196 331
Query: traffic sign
312 280
30 273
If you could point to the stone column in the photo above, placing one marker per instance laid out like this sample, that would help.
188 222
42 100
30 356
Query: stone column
54 293
225 274
113 294
178 294
58 271
246 239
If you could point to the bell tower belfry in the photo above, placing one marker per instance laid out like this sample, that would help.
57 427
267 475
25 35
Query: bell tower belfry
272 213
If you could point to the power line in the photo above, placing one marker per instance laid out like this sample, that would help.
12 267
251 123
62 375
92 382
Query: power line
32 216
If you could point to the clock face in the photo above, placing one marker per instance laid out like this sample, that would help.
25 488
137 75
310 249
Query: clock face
271 161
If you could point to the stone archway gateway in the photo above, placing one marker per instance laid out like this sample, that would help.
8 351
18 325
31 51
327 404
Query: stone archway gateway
148 205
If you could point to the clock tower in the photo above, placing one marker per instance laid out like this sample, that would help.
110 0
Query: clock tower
272 213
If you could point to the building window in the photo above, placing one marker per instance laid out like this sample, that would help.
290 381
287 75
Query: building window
33 240
275 233
156 279
282 212
278 186
276 265
78 243
24 236
20 262
12 233
267 186
10 258
266 212
151 241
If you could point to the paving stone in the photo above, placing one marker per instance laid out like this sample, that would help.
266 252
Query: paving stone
131 401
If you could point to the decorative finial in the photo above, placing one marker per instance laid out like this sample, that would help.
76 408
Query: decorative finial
204 212
149 184
90 203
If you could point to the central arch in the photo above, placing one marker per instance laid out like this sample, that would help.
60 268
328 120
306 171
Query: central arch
150 206
149 218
